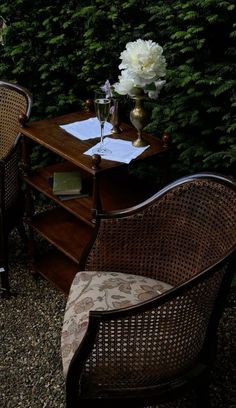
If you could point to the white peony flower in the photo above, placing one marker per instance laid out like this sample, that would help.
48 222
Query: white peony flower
142 64
144 59
125 84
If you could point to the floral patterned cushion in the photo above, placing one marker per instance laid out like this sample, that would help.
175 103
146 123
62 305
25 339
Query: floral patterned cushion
101 291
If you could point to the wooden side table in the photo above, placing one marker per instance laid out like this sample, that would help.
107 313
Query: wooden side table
68 225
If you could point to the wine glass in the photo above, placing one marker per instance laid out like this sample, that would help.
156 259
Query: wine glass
102 105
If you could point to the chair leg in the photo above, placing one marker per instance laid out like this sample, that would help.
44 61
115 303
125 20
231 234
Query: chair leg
22 232
4 270
5 287
4 276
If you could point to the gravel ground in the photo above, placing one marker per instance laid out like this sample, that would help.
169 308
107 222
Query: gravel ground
31 321
30 361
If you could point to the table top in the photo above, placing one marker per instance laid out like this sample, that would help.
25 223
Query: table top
48 133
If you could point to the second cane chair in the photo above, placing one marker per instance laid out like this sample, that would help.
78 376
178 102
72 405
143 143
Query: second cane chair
140 326
15 108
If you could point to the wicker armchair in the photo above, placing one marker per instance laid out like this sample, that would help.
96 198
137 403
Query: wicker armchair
15 107
145 331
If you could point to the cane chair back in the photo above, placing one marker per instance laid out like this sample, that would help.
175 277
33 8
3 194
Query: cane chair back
15 108
149 353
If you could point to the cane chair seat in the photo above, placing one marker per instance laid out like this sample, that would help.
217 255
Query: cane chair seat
101 291
163 344
15 108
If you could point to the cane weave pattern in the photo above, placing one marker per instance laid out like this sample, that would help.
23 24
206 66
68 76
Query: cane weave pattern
12 179
171 240
15 106
153 346
12 105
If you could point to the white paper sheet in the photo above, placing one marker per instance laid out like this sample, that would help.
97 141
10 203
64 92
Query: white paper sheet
87 129
121 150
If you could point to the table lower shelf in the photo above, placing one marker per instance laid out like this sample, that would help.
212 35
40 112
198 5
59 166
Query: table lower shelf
64 239
65 232
56 268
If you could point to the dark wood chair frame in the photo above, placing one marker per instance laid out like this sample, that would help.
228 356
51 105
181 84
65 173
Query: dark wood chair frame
17 109
196 376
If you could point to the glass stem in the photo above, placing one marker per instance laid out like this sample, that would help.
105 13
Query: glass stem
102 128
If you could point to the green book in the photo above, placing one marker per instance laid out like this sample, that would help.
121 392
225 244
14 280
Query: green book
69 182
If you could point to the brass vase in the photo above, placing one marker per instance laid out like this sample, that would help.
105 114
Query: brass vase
115 117
139 118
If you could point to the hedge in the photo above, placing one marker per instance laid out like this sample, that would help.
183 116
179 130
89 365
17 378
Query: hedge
61 50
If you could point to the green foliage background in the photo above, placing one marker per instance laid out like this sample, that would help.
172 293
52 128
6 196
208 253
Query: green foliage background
61 50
